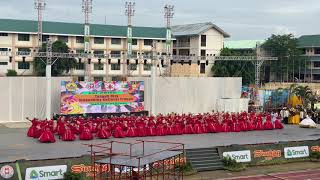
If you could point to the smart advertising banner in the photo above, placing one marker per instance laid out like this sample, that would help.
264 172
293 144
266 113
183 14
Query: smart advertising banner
269 153
101 97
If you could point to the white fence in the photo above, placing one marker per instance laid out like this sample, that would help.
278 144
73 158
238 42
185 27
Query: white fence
22 97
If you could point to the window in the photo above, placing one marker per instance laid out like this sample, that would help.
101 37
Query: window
115 67
98 78
133 67
23 37
3 63
115 54
147 67
23 65
115 41
80 66
3 49
316 64
203 40
134 41
202 68
45 37
98 66
317 51
64 39
81 78
99 40
79 39
147 42
98 52
24 49
3 34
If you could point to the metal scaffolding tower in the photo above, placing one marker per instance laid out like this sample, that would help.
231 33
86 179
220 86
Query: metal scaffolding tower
129 12
87 10
40 6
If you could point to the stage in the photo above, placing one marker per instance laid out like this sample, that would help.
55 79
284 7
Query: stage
15 145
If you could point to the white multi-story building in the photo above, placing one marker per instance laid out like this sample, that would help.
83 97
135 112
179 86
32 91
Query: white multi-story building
201 39
21 36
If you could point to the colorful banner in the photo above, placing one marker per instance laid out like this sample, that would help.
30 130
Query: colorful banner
101 97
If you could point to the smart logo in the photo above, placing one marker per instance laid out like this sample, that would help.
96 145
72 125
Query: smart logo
296 152
34 174
46 172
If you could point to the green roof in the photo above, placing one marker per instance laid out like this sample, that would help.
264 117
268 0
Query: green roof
28 26
309 41
243 44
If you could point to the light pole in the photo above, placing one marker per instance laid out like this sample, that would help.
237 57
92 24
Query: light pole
87 10
40 6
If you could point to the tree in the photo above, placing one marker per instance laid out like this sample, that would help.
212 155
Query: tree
244 69
62 65
290 61
11 72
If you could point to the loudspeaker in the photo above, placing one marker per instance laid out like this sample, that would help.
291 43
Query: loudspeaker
89 61
99 61
10 59
207 62
23 59
198 63
190 62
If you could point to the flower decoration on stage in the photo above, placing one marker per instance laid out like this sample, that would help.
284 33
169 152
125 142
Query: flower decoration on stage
71 86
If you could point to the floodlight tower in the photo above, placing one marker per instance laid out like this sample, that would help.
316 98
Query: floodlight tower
168 9
40 6
87 10
129 13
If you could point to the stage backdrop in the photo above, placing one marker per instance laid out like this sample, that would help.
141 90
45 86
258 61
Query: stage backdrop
101 97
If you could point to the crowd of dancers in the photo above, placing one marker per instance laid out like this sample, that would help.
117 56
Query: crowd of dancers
69 128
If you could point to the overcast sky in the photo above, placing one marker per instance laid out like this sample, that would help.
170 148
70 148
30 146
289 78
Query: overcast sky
242 19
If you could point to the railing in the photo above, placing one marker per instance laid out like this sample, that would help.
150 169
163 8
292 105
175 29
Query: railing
182 44
143 56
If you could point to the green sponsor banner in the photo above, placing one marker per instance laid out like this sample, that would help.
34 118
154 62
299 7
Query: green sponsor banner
275 152
101 93
78 165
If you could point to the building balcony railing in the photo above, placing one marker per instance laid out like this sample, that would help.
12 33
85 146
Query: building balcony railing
182 44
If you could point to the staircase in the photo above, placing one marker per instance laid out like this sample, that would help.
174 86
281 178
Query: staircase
205 159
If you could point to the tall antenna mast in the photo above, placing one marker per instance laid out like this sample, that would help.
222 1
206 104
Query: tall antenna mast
87 10
40 6
168 14
129 13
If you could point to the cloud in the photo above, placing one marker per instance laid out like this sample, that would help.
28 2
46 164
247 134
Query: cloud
280 30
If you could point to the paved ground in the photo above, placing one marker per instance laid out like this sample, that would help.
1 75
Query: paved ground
290 171
15 145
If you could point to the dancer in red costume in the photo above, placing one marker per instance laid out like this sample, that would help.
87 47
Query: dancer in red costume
68 135
118 132
103 132
278 124
32 129
268 125
47 136
86 134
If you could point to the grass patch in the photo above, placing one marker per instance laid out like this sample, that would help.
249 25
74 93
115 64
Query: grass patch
232 165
